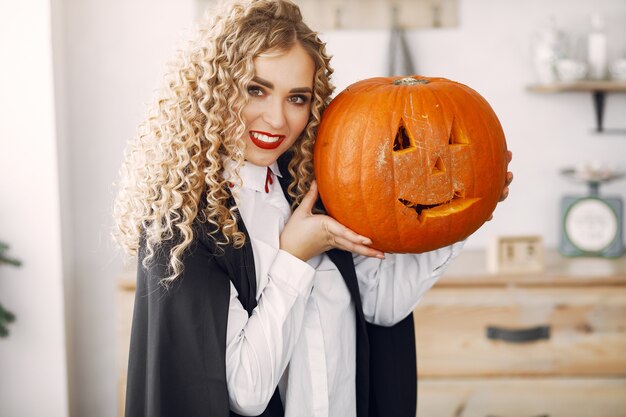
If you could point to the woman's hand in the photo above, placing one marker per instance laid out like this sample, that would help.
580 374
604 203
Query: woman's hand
509 178
306 234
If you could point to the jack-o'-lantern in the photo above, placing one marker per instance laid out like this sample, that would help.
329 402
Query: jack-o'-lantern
413 163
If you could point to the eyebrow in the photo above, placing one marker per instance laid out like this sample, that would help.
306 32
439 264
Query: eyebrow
269 85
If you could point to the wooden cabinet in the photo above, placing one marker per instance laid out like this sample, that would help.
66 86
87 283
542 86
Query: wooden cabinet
545 344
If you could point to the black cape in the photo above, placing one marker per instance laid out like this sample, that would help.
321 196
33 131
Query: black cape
178 339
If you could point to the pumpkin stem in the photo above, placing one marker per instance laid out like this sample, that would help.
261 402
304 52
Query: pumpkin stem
409 81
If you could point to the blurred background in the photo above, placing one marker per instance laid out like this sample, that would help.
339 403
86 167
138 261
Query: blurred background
75 80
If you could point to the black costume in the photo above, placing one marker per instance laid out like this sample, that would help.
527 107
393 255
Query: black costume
177 365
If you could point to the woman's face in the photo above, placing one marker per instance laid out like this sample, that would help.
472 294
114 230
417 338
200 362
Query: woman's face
280 104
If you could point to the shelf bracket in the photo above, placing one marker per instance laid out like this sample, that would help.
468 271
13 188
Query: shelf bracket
599 98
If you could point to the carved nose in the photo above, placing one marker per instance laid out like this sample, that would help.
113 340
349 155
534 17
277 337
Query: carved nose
439 167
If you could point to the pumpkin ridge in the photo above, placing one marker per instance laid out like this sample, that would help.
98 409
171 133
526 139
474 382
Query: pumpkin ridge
397 229
455 124
363 203
493 145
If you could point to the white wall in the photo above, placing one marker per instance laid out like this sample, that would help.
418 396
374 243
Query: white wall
112 57
33 380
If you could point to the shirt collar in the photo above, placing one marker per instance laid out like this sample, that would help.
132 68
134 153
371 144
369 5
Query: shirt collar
252 176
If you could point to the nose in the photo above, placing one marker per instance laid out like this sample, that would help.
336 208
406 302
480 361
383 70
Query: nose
274 114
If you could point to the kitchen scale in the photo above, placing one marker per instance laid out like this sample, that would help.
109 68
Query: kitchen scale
592 225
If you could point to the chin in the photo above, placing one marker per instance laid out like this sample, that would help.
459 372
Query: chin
262 160
262 157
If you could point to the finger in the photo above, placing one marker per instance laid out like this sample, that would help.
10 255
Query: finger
335 230
358 248
505 193
308 201
509 178
509 156
341 237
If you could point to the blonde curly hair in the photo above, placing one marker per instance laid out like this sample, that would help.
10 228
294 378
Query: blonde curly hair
172 170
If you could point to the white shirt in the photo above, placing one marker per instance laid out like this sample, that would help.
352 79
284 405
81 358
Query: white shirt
302 334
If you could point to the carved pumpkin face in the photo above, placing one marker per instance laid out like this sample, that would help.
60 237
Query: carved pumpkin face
413 163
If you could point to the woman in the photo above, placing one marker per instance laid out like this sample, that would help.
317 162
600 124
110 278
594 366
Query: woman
246 301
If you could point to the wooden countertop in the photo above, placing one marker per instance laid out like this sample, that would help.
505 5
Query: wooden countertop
470 269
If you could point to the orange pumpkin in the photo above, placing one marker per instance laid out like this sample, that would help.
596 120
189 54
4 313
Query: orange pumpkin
413 163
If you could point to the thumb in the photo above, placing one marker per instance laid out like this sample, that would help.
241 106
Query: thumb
308 201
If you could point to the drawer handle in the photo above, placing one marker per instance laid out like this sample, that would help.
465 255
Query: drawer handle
518 336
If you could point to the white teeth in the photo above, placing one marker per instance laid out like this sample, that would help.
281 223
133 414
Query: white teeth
265 138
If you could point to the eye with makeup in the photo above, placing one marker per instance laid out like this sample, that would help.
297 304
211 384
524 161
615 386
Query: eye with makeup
299 99
256 90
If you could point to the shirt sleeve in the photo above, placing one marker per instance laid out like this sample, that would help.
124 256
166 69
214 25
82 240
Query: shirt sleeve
391 288
259 347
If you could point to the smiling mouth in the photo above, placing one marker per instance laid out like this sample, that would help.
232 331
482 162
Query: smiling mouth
266 140
457 203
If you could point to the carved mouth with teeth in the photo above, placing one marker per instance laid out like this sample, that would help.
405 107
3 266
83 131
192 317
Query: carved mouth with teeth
458 202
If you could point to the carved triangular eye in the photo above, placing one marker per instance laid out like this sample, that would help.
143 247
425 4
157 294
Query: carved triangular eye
457 137
439 167
403 140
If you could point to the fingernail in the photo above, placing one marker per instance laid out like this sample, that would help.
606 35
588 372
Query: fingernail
379 256
366 241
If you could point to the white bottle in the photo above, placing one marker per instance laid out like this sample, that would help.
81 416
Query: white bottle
548 47
596 49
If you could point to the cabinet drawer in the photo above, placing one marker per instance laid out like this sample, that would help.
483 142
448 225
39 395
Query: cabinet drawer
586 326
522 398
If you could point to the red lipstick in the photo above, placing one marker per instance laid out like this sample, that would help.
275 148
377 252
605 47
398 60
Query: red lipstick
266 140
